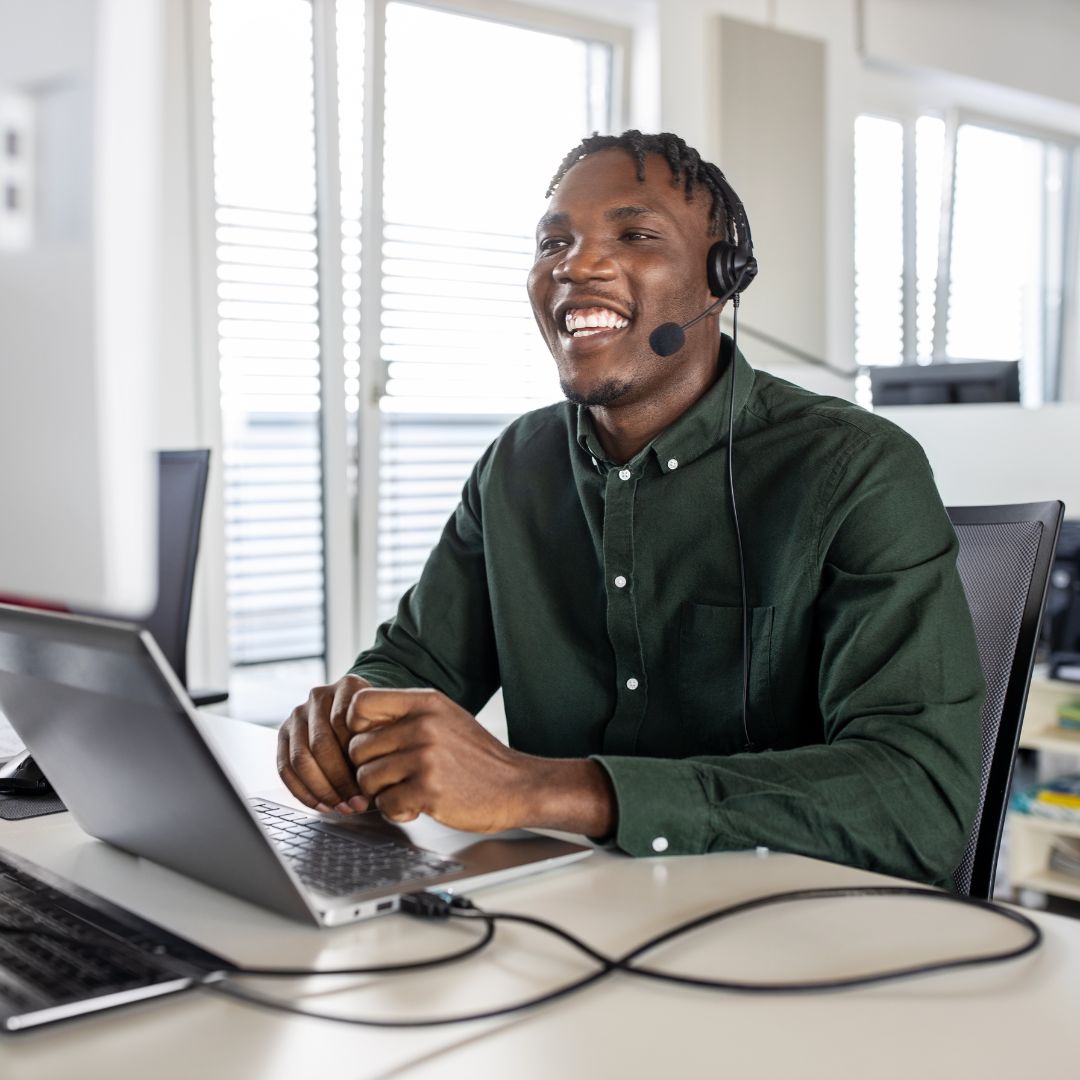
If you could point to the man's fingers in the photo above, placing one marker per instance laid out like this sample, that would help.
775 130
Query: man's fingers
376 776
293 782
400 803
369 745
305 769
372 707
339 708
329 755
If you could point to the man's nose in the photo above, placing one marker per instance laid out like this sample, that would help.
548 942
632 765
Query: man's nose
586 262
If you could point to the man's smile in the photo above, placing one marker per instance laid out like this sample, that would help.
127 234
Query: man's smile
587 321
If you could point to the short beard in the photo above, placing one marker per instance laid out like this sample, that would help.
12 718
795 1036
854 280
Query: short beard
607 393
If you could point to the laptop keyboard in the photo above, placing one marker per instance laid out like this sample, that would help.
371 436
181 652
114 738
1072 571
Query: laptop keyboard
92 954
350 863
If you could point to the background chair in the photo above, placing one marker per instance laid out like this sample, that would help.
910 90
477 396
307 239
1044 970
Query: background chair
182 478
1005 557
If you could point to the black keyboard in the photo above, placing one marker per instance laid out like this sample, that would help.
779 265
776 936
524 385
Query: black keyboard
64 951
347 863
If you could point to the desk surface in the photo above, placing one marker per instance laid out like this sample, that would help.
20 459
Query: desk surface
1019 1019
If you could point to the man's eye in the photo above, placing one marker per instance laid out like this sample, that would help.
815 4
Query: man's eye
633 234
550 244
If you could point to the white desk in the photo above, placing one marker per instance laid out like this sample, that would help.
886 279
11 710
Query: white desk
1017 1020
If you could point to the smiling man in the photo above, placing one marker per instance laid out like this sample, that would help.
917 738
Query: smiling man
591 571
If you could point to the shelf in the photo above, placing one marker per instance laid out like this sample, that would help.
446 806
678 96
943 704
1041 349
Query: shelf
1054 739
1049 881
1031 837
1018 820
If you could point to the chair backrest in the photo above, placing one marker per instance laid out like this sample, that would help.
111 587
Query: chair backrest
1005 557
181 491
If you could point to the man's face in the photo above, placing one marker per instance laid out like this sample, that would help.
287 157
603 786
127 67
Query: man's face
615 258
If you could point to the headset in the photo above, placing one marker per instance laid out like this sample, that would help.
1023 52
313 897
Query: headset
730 266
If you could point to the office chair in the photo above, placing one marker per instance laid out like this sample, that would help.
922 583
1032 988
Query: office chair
1005 557
181 493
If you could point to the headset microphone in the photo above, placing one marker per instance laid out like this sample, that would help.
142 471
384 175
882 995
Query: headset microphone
730 268
668 338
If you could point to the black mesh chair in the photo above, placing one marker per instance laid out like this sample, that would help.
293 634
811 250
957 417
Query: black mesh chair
182 478
1005 557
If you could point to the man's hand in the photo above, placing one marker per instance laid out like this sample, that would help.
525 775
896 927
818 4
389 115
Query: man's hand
311 755
416 752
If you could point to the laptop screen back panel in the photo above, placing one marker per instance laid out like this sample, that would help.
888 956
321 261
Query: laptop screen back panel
73 689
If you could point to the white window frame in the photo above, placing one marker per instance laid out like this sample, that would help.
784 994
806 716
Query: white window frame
954 120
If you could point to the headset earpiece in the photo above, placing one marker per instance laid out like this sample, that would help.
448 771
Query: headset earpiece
730 264
731 268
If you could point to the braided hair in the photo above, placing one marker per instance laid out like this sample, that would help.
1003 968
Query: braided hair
687 169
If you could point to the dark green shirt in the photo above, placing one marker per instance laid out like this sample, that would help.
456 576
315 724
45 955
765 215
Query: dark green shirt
605 599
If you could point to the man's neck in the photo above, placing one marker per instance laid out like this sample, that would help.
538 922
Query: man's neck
625 429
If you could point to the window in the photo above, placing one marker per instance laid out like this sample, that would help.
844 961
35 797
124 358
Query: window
373 246
461 351
1006 258
971 264
268 332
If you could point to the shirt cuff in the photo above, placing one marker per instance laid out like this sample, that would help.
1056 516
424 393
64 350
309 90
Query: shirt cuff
661 804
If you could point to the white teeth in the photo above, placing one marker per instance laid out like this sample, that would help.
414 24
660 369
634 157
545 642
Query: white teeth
579 320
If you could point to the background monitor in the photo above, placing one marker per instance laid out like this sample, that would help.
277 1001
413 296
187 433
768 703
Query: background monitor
952 383
81 94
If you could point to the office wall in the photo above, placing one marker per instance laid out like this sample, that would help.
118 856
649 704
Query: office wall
999 453
1030 46
764 74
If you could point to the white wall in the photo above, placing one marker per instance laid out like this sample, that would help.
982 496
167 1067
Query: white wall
1030 46
984 454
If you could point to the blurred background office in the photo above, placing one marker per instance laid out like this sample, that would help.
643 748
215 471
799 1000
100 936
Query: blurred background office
348 194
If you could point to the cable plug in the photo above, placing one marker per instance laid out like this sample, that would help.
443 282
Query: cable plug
426 905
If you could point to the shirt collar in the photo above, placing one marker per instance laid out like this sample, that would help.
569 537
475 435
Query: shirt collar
698 430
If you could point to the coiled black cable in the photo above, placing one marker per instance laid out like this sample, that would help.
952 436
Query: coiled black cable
462 908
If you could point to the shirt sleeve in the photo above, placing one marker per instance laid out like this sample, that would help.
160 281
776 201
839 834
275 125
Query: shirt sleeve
442 635
893 784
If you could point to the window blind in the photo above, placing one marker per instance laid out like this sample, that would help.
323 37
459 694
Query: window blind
268 309
461 352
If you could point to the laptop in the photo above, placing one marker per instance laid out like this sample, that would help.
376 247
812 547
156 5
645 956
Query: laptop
114 731
85 954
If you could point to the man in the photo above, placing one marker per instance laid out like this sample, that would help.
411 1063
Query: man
591 570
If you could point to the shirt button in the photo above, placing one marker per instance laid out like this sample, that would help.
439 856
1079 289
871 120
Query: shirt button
620 582
631 684
659 844
673 463
624 474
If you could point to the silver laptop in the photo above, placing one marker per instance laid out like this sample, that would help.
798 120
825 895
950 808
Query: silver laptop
112 728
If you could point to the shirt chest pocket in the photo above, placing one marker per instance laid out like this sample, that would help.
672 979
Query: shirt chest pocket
711 678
